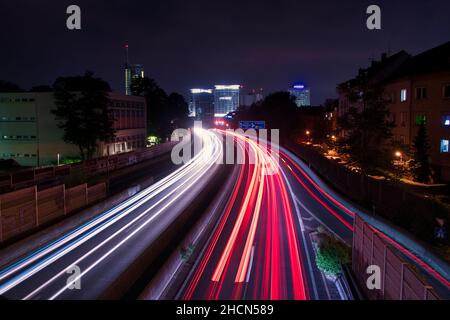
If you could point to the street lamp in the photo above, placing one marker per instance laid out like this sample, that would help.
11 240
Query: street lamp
399 155
308 134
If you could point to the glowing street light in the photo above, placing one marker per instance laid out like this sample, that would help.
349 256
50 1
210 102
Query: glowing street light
399 155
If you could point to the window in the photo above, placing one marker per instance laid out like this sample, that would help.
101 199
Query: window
447 91
421 118
403 95
390 97
445 146
393 118
446 120
421 93
403 119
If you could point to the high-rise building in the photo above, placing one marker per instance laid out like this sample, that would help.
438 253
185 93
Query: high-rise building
201 105
226 99
132 72
302 95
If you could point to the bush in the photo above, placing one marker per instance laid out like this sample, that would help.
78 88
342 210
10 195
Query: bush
331 254
328 262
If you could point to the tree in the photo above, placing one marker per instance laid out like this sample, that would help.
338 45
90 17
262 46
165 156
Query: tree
278 110
6 86
177 110
422 168
164 112
367 129
82 111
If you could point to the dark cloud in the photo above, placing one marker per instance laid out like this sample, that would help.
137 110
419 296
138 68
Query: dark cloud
264 43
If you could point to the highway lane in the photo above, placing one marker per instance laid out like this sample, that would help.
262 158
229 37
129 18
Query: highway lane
103 249
263 247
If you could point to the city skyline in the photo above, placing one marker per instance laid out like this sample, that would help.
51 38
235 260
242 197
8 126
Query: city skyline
98 46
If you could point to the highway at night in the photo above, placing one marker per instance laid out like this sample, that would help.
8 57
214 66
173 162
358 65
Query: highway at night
261 248
105 247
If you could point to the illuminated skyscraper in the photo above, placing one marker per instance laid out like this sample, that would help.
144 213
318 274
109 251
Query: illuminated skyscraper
132 71
201 105
226 99
302 95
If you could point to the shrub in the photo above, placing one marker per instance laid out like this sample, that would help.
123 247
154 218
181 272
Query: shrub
331 254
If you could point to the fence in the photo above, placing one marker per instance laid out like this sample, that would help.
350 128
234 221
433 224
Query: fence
26 178
26 209
399 281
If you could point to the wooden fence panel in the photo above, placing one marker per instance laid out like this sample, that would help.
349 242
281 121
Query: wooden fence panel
17 212
399 280
50 204
96 193
76 198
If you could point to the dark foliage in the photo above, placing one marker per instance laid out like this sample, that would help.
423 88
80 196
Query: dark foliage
82 111
6 86
367 129
164 112
422 167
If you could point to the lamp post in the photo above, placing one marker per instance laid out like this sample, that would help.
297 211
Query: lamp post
308 135
399 155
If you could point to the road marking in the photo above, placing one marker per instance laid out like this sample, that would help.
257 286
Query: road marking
250 265
320 221
308 257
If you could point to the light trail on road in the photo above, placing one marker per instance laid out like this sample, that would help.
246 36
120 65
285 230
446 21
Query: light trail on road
259 250
109 237
258 232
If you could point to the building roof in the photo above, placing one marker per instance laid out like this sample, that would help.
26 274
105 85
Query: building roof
403 65
430 61
379 70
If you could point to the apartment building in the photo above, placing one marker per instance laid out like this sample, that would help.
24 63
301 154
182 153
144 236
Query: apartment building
417 89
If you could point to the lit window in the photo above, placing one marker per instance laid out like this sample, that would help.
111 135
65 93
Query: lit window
421 118
403 95
446 120
445 146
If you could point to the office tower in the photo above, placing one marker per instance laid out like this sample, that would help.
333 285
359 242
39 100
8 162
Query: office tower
301 94
132 72
226 99
201 105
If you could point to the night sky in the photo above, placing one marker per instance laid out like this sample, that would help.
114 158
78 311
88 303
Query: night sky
185 44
